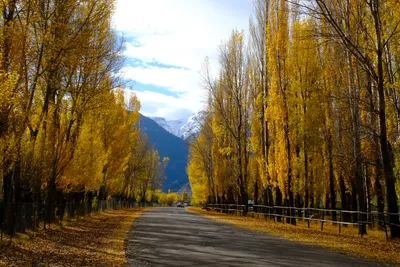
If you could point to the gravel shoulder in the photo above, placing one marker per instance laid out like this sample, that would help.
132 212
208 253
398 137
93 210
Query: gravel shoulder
175 237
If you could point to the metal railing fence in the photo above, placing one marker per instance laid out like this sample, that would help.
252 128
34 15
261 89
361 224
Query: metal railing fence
292 214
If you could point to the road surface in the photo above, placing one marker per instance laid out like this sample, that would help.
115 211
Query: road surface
175 237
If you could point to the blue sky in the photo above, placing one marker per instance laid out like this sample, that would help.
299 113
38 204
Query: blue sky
166 44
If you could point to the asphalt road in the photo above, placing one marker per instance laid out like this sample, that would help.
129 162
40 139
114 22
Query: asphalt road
175 237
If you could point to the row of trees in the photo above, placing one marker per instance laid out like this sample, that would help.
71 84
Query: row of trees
66 132
308 113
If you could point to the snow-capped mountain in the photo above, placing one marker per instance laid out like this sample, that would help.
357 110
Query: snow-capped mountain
171 126
193 126
183 128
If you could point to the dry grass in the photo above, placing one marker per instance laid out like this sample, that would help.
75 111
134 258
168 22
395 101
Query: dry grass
91 241
372 246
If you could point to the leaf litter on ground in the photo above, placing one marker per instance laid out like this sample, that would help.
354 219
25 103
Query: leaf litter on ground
98 240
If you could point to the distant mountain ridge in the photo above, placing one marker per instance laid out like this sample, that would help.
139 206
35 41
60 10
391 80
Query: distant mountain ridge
184 128
171 126
171 146
192 127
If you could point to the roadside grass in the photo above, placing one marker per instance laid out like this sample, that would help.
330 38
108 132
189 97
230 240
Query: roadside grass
372 246
98 240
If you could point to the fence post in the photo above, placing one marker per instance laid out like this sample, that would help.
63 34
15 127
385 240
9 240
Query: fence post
309 217
322 221
340 219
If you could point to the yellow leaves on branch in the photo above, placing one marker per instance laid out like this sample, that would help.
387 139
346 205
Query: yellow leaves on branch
7 91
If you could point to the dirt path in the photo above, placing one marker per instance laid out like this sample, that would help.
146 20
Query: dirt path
175 237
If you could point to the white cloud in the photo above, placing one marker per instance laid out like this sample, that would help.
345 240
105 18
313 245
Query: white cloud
178 33
159 105
174 80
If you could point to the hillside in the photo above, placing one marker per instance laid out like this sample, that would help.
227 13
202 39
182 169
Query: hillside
168 145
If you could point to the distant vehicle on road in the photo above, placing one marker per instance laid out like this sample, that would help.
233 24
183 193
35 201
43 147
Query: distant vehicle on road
179 205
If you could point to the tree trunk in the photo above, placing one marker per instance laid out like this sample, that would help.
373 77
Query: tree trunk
331 178
312 202
89 202
343 199
306 185
278 202
8 203
354 205
255 201
391 196
368 194
230 199
29 210
327 200
289 174
19 221
390 179
61 206
51 198
379 197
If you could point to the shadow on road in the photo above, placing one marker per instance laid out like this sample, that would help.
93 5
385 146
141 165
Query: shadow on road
175 237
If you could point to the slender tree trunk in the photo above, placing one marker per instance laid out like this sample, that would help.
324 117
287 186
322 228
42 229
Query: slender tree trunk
331 177
354 206
391 196
343 198
390 179
268 197
306 182
230 198
289 165
278 201
256 197
19 221
51 198
8 202
310 186
368 193
379 196
327 200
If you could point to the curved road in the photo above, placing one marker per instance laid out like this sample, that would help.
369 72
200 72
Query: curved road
175 237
